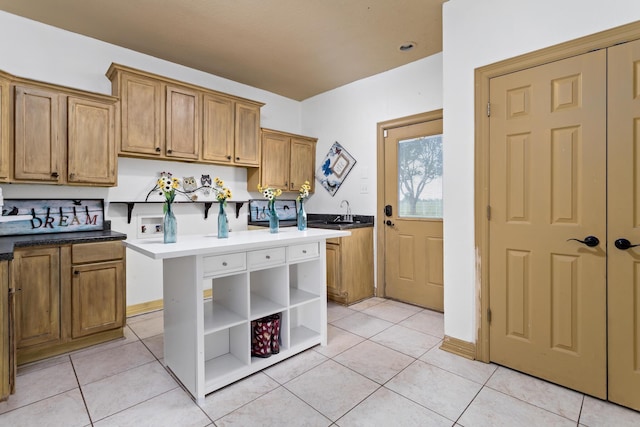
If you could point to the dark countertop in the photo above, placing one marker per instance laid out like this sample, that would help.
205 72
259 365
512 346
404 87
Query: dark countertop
8 243
327 221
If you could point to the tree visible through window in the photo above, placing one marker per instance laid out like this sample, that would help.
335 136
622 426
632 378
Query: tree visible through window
420 177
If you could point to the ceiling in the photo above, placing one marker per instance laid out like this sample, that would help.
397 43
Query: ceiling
295 48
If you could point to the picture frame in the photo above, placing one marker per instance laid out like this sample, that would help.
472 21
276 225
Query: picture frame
335 168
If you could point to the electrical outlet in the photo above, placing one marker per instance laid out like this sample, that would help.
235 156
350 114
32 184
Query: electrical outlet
364 188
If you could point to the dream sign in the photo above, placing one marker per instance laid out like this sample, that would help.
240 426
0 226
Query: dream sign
51 216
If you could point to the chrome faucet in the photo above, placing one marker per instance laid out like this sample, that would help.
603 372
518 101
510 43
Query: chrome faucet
348 217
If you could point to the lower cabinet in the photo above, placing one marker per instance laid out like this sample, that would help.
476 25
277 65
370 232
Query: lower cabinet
97 288
36 278
7 353
350 267
67 297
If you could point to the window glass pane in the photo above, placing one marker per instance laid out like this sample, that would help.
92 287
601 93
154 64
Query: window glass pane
420 177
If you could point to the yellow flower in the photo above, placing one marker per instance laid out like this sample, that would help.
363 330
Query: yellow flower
270 193
222 193
304 191
168 185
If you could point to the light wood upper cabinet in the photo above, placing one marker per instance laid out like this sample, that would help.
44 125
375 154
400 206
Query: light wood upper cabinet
172 120
287 161
5 123
38 151
303 162
91 142
275 160
141 115
182 123
218 129
63 137
247 130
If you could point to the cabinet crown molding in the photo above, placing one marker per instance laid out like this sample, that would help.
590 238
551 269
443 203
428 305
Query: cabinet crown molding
114 68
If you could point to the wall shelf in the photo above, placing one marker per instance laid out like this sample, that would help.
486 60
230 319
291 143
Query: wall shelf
206 207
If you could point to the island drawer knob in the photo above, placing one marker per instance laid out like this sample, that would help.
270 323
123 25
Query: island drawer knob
304 251
268 256
224 263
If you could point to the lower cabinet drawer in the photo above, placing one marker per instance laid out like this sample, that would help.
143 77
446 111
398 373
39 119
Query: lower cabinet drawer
83 253
266 257
222 264
305 251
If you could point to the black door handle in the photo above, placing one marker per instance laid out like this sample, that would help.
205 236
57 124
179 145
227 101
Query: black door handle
624 244
590 241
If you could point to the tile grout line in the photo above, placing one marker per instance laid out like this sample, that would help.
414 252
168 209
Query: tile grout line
84 400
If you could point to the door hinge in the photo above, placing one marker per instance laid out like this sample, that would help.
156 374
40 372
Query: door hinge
489 212
489 315
488 109
384 133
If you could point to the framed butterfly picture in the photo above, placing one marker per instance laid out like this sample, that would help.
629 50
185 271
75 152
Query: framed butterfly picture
334 168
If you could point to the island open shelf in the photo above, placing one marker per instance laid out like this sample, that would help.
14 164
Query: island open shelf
253 274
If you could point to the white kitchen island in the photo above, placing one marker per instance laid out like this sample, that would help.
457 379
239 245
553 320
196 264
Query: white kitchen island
251 274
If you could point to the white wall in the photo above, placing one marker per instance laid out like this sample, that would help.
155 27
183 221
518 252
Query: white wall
478 33
350 115
33 50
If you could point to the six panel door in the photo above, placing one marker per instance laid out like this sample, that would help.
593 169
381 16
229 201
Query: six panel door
564 220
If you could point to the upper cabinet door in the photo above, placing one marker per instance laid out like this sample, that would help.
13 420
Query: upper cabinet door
247 135
217 129
37 135
275 160
303 160
5 134
183 123
91 142
142 118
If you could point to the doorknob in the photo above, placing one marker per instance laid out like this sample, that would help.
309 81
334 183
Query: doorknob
624 244
590 241
389 223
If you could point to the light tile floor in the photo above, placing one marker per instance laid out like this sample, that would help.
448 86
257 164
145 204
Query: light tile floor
382 367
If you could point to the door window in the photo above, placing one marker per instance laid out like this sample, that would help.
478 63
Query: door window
420 177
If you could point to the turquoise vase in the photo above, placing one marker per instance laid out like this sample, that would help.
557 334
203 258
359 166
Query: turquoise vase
302 217
223 223
170 225
274 222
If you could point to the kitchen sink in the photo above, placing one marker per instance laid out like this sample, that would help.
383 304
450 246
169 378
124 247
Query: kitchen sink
341 222
337 225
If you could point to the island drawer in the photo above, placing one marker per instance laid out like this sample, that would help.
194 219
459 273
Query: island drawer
266 257
227 263
304 251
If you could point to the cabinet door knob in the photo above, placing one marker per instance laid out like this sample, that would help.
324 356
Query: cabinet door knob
54 174
228 157
224 263
76 273
169 151
304 251
237 158
268 257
